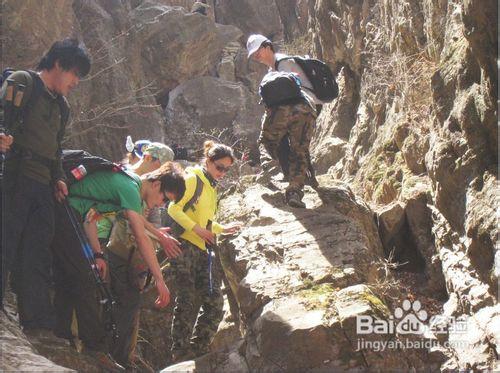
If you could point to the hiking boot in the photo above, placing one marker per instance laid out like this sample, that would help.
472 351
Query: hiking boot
294 199
105 361
44 336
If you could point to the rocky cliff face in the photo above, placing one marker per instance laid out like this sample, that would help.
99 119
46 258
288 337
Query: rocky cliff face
414 132
141 51
406 208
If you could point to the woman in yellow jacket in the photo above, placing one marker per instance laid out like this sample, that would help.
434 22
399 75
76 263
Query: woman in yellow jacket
196 283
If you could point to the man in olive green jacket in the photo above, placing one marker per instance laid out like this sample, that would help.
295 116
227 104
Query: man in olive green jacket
30 140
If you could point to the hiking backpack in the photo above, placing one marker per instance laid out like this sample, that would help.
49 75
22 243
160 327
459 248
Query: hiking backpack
77 164
323 82
5 74
280 88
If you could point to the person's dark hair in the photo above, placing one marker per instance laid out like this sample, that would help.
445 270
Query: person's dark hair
268 44
214 151
70 54
171 176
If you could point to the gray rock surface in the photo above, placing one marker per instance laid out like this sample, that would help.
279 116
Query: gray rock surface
208 107
417 112
299 294
18 354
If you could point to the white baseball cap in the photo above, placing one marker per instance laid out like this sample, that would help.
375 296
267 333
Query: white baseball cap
254 42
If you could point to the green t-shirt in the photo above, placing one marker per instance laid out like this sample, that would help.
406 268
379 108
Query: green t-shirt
106 191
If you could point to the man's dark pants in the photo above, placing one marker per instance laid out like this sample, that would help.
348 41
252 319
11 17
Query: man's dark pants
28 226
127 309
75 287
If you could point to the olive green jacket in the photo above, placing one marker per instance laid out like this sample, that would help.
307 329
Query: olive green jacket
38 129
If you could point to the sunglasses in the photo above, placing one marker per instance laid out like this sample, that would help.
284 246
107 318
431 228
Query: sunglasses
221 168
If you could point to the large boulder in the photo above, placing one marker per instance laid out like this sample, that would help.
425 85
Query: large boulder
175 45
116 99
25 35
20 353
251 16
205 107
276 19
301 279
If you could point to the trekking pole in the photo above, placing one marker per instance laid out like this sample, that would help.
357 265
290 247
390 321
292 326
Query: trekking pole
210 247
106 298
9 98
210 280
4 129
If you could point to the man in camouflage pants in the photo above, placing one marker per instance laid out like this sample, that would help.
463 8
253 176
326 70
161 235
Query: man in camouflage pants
194 342
295 121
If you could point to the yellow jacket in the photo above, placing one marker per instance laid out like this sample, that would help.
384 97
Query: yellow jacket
204 210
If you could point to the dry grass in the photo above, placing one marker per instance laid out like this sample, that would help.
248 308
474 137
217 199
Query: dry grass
387 286
402 78
299 46
397 86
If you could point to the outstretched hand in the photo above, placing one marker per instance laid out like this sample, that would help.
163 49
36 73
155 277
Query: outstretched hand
232 228
169 244
204 234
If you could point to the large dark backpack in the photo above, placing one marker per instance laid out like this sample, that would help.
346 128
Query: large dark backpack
323 82
79 163
280 88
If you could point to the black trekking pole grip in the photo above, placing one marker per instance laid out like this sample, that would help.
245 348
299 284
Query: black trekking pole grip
106 298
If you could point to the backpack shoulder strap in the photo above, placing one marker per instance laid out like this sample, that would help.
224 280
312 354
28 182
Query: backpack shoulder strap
135 178
196 195
36 86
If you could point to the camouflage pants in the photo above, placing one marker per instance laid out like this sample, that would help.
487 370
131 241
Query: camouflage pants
296 122
197 313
